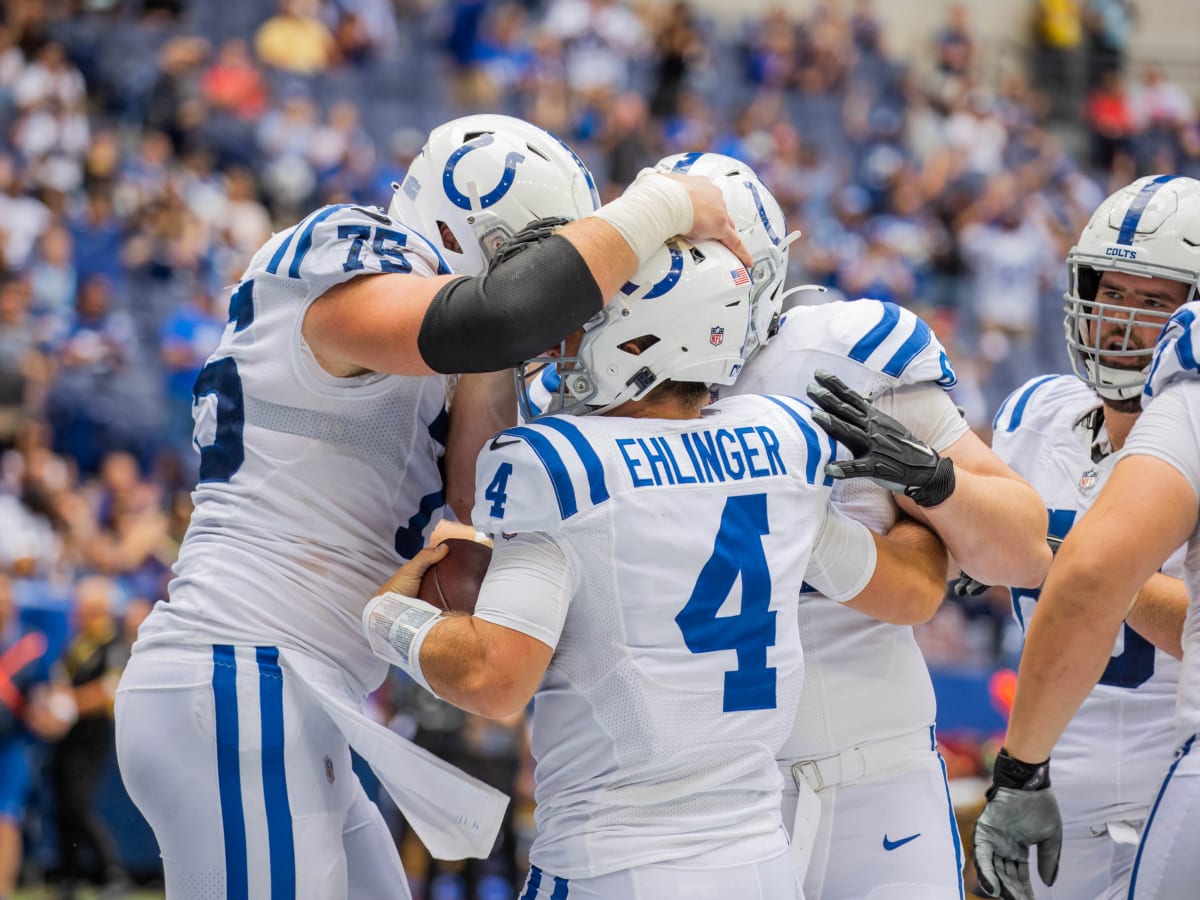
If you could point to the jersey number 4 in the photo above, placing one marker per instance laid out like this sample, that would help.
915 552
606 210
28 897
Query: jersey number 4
737 551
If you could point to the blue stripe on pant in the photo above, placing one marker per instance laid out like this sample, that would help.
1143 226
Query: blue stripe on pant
1137 860
534 882
274 778
279 813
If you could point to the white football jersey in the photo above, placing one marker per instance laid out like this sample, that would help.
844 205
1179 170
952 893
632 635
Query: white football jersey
1169 429
676 676
312 488
864 679
1112 755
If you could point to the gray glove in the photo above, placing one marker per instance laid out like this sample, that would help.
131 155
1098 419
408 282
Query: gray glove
1020 813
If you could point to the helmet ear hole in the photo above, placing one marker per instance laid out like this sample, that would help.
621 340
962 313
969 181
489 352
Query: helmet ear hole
1089 283
639 345
449 241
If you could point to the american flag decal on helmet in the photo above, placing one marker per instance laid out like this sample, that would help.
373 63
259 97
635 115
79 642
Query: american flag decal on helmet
716 336
740 276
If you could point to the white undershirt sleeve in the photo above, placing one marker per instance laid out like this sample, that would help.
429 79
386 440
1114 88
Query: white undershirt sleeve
843 558
528 587
928 412
1168 430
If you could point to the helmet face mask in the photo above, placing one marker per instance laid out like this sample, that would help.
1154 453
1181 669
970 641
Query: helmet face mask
760 223
1150 229
480 179
686 317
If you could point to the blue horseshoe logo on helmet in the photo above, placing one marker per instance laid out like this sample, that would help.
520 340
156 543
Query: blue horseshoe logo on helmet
667 282
461 200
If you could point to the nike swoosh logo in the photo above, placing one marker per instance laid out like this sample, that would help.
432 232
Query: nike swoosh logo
497 443
892 845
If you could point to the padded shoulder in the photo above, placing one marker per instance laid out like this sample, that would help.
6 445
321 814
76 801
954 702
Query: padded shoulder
337 243
536 477
1175 352
871 344
1041 401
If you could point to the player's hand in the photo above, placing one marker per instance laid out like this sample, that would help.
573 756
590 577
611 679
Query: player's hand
966 586
533 233
407 580
710 218
884 449
1021 812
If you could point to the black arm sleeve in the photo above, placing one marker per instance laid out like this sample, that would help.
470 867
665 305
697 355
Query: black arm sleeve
523 307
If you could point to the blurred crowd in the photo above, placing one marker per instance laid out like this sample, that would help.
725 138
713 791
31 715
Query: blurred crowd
148 148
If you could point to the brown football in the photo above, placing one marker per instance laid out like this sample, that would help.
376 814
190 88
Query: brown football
454 582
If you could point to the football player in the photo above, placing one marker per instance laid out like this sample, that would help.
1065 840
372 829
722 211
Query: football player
648 557
320 421
1093 690
880 824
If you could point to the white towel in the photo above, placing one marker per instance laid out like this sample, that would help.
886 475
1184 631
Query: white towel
455 816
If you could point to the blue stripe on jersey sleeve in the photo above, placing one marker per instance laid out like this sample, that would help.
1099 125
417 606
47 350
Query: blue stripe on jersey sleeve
560 478
305 243
1133 215
870 342
597 489
1019 408
1185 353
916 342
810 438
281 251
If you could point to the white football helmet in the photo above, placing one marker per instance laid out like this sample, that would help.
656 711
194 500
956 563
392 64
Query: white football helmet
689 308
760 223
480 179
1150 228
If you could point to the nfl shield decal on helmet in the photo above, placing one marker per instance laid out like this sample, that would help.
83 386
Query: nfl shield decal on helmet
716 336
329 776
1088 480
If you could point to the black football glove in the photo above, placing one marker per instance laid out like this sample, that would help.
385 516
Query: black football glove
884 450
533 233
1020 813
966 586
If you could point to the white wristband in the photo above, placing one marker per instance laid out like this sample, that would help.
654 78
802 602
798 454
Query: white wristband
396 626
652 210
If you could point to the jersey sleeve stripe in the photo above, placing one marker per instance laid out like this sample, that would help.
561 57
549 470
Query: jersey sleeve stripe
1133 215
1185 353
1019 408
560 478
915 343
597 488
281 251
810 438
305 243
870 342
